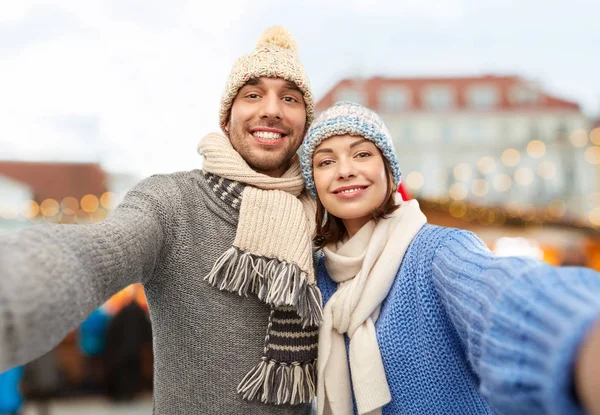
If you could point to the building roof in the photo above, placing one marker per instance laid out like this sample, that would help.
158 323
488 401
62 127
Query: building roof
49 180
506 85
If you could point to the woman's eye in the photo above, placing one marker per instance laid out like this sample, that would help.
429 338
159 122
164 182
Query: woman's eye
363 154
325 163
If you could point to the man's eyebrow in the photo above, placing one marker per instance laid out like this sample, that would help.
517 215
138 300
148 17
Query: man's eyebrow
253 81
293 86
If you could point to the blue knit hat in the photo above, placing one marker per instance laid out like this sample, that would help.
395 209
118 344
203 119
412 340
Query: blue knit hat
347 118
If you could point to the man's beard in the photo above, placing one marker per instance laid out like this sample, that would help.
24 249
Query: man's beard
272 159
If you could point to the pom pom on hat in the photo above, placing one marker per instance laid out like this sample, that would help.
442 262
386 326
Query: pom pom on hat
278 36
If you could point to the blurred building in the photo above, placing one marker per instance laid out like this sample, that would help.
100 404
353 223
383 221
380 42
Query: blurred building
489 139
489 151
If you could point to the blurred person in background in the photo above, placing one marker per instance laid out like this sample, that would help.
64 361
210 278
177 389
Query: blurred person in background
224 255
91 338
422 319
128 333
43 381
10 394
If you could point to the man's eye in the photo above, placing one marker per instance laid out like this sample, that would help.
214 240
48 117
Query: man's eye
252 96
290 99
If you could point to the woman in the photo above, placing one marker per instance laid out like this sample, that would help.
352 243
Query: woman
421 319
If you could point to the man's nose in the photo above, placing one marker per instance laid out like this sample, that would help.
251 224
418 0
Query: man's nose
271 107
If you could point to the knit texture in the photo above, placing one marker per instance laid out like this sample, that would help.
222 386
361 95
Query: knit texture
271 257
275 56
167 234
364 268
353 119
465 332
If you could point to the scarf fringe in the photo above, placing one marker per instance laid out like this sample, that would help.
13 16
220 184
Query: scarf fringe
279 383
275 282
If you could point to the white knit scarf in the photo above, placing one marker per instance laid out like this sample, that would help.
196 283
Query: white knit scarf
364 268
272 257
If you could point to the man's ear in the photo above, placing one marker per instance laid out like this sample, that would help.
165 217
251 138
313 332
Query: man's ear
226 127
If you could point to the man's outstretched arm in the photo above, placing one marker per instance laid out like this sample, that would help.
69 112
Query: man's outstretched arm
53 276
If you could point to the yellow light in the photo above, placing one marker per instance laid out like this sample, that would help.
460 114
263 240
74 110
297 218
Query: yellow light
83 217
462 172
99 215
536 148
415 180
486 165
30 209
500 218
480 187
595 136
49 208
89 203
579 138
108 200
514 208
557 208
486 217
511 157
592 155
528 213
594 216
458 191
546 169
502 182
524 176
69 205
458 209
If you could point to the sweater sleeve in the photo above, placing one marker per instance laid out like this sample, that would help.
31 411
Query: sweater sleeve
53 276
521 321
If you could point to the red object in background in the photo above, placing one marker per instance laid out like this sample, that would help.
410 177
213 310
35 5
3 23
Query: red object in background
403 192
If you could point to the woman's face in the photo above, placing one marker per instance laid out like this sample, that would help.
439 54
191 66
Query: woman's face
350 179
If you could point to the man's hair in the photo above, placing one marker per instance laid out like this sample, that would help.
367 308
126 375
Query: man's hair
331 228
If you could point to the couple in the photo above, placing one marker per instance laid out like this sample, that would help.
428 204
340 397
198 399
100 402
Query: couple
417 319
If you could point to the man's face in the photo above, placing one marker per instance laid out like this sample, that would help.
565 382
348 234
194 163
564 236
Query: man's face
267 124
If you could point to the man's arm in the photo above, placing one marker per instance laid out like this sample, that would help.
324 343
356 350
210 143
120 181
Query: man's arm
53 276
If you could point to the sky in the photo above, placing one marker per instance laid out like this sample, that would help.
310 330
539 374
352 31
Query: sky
134 85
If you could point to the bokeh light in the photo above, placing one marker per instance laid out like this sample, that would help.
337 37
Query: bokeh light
415 180
511 157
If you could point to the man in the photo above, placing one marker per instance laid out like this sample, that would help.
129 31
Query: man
224 255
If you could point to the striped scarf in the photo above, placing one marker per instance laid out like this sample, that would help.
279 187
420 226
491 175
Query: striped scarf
271 257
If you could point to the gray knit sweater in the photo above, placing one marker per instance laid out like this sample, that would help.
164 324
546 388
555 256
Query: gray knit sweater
166 234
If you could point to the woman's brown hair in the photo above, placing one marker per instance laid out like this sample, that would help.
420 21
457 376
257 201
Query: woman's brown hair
331 228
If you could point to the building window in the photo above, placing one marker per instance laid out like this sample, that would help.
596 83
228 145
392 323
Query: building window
446 132
350 94
395 99
438 97
482 97
523 94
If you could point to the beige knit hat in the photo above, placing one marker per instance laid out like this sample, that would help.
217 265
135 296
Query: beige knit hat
275 56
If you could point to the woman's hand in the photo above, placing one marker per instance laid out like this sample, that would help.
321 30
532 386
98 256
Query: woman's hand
587 372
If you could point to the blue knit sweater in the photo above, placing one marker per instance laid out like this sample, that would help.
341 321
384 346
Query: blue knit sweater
465 332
